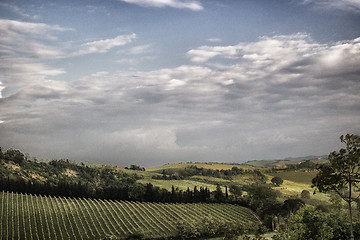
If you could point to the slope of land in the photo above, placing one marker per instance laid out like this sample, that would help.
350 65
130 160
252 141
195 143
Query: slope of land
297 176
25 216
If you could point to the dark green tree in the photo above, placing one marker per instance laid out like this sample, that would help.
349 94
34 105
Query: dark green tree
277 181
292 205
235 190
14 155
219 195
260 197
343 173
305 194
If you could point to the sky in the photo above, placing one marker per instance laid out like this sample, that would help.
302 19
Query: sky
152 82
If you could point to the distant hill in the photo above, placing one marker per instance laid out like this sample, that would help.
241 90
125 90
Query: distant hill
281 163
311 157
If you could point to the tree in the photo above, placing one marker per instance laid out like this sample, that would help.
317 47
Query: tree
235 190
277 181
310 222
305 194
260 196
219 196
343 173
292 205
14 155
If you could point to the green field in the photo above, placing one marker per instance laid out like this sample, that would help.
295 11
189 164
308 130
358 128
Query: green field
295 182
296 176
25 216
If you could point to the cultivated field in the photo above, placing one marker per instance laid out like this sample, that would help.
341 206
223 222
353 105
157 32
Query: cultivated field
25 216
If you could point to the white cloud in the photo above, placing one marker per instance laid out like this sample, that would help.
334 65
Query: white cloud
204 53
347 5
102 46
25 46
18 72
19 38
267 48
1 88
214 39
13 27
192 5
139 49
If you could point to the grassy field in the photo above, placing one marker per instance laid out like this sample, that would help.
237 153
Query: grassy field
296 176
26 216
294 181
181 184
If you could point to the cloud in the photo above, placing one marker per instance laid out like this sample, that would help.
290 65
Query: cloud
19 38
214 40
265 49
98 9
19 11
139 49
13 27
346 5
280 96
135 60
102 46
192 5
24 47
29 48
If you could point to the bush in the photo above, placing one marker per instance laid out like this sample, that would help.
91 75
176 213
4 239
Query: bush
305 194
312 223
277 181
210 227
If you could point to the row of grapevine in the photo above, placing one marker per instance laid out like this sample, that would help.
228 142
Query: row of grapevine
25 216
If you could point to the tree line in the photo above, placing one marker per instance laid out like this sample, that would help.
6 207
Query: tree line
65 178
193 170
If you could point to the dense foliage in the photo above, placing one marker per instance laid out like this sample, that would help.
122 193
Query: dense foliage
342 174
313 223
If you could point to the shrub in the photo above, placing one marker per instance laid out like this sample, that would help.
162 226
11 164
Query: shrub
210 227
277 181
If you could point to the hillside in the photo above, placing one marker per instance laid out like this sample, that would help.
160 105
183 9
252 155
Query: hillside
26 216
297 176
67 178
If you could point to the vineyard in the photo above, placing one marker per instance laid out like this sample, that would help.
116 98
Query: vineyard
25 216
